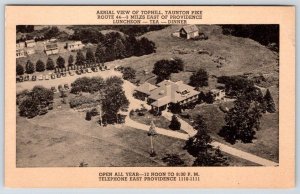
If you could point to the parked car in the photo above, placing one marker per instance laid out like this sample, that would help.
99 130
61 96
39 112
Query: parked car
78 72
60 88
89 70
71 73
26 78
53 89
107 67
33 78
102 68
41 77
82 71
66 86
20 79
47 77
53 76
58 75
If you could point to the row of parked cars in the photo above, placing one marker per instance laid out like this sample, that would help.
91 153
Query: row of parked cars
61 74
43 77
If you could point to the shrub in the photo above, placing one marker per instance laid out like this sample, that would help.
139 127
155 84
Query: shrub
80 100
19 69
40 66
175 124
29 67
173 160
88 116
50 64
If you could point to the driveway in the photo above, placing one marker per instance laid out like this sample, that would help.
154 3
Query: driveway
135 103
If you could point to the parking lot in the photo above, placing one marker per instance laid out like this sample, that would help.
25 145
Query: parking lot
68 79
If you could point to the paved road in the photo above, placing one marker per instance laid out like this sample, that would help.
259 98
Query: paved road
64 80
134 103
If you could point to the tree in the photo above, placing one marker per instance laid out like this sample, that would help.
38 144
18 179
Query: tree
25 28
201 97
175 124
209 98
270 105
178 64
132 46
120 50
60 62
115 99
200 146
211 158
241 121
110 54
201 141
128 73
70 61
162 69
80 59
40 66
20 69
29 67
29 107
90 57
146 46
50 64
35 102
114 81
100 54
52 32
199 78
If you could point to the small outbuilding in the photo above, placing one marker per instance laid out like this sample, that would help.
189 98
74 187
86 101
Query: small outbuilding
187 32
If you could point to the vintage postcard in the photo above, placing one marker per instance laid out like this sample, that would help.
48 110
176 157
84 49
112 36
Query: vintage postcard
150 96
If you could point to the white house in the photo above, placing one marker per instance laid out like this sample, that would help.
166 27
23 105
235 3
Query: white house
74 46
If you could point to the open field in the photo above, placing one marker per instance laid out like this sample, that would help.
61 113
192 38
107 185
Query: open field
241 55
64 138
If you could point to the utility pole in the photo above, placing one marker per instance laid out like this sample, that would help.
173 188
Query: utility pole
152 132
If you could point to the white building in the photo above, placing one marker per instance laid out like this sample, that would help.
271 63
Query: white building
74 46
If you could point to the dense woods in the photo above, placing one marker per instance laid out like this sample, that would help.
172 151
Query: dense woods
267 35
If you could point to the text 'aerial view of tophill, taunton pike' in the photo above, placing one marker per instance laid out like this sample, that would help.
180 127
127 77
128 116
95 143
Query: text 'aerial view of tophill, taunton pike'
147 95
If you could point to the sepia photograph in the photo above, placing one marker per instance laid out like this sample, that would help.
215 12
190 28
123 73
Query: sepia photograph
150 96
194 95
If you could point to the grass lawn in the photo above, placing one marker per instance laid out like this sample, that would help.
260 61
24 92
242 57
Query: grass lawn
159 121
265 145
63 138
